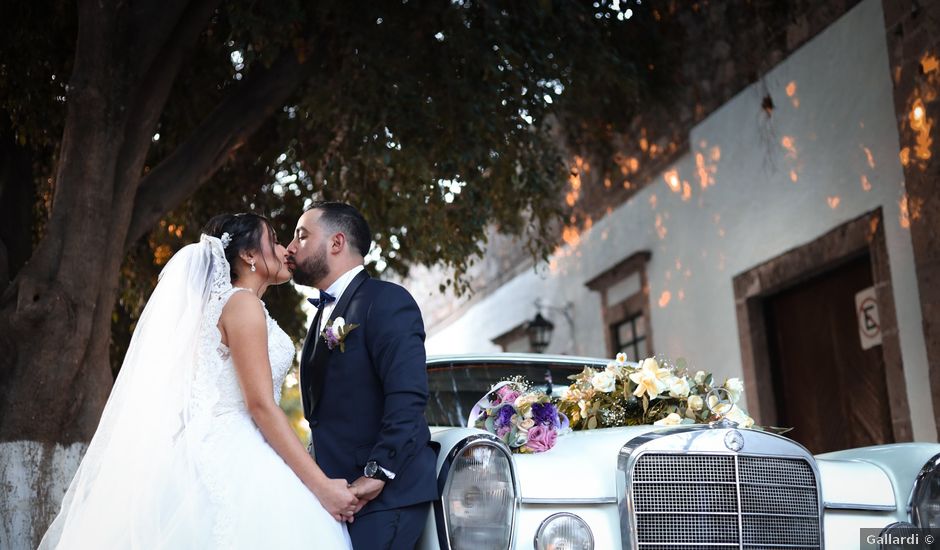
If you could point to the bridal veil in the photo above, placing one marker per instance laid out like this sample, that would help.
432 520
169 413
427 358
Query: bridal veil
139 485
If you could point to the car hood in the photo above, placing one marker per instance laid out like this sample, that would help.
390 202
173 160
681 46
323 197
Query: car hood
581 465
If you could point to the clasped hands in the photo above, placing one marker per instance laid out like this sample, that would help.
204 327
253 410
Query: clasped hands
343 501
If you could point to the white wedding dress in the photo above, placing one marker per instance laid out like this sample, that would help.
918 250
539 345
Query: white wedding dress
193 471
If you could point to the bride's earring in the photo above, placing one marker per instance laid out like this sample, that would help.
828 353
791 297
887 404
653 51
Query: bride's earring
252 266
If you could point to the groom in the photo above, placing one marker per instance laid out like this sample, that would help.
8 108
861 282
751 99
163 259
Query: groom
364 382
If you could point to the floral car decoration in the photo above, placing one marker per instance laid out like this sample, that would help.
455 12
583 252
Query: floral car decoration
654 391
524 419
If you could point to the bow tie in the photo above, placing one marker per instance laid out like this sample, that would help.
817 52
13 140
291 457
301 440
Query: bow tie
324 299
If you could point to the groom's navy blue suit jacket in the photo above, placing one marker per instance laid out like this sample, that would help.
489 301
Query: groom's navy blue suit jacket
367 402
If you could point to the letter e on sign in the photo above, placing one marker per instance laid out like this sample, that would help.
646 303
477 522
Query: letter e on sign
869 324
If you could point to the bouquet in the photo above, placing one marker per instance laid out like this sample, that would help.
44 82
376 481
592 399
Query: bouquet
525 419
651 392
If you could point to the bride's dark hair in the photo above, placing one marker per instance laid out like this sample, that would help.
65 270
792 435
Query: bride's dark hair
245 231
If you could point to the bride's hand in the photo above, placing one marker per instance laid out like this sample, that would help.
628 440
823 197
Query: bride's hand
339 501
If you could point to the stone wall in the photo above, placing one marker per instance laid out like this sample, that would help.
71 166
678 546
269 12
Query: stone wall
913 34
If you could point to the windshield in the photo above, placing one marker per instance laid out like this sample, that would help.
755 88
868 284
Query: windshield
456 387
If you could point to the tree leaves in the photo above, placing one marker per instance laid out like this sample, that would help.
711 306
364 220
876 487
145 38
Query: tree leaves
443 121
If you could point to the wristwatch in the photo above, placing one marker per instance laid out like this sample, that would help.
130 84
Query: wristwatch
373 471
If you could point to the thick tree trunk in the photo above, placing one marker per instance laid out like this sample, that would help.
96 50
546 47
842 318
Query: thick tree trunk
17 203
55 315
54 378
33 478
52 303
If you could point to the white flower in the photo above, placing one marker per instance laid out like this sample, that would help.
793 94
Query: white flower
672 420
583 408
650 379
735 388
338 324
621 358
604 381
700 377
614 369
696 402
679 387
737 415
526 424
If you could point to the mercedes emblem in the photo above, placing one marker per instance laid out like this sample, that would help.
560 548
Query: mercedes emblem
734 441
719 402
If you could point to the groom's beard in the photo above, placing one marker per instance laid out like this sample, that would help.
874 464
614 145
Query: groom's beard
312 270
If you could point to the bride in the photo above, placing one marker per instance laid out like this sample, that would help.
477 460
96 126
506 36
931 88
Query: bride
192 450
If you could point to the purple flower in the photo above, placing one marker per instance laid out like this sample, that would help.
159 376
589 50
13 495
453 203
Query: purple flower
541 438
545 414
563 422
330 336
504 416
503 431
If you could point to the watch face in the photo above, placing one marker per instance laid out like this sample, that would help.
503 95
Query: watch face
371 468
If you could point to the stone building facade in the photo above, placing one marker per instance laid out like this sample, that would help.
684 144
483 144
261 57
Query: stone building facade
793 166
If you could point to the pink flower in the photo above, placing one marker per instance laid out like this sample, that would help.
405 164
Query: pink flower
507 394
541 438
502 431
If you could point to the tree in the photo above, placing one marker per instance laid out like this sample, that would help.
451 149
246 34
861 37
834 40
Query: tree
439 119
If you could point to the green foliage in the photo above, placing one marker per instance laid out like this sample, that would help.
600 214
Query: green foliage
438 119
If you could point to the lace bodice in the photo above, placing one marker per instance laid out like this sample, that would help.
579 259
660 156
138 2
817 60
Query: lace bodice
216 389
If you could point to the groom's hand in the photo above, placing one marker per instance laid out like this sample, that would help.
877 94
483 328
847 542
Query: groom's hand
339 499
366 489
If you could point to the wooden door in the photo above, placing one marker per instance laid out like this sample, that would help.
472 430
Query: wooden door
830 390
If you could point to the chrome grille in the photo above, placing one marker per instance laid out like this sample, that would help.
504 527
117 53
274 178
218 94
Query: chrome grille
724 501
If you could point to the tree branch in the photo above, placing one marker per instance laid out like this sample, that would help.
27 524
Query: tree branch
154 87
4 267
223 131
149 26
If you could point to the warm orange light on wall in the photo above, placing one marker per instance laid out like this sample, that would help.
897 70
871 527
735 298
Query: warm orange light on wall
869 157
929 63
660 227
921 125
672 180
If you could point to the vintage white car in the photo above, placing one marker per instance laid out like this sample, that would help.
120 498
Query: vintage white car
650 487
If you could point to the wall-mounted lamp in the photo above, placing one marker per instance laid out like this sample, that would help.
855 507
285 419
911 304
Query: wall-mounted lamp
540 330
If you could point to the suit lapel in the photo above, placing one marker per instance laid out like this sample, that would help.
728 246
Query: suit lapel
306 353
321 352
343 302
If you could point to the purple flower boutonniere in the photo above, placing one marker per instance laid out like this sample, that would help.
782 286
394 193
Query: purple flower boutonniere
335 332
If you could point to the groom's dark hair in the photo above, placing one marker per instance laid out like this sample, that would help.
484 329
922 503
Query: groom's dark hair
344 218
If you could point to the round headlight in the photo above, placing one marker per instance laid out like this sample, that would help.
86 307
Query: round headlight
898 536
564 531
925 498
479 498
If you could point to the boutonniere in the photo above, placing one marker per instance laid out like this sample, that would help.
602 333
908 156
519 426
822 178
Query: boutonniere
335 332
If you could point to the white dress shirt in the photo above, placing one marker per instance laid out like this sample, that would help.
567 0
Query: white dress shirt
336 290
